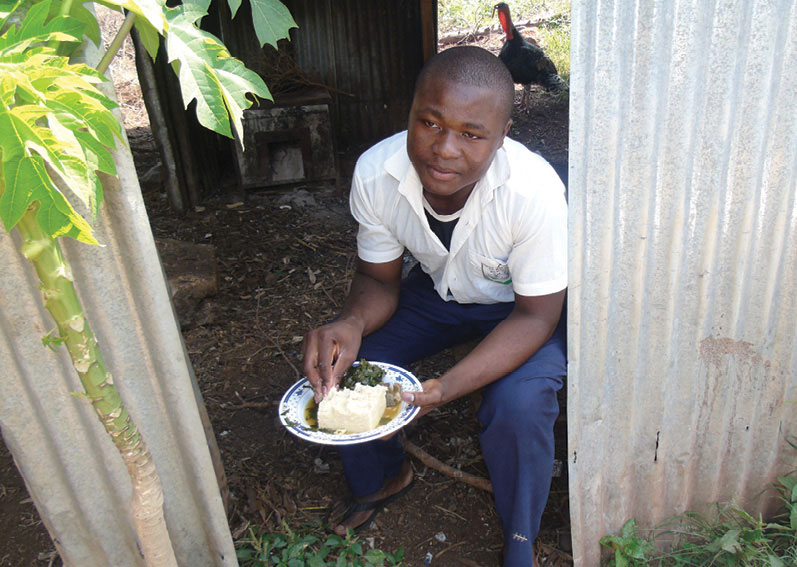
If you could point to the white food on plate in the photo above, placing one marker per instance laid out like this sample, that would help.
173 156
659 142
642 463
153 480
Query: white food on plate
352 411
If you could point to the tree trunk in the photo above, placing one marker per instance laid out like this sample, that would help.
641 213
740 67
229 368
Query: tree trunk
60 299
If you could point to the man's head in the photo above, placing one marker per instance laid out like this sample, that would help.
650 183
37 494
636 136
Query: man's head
460 114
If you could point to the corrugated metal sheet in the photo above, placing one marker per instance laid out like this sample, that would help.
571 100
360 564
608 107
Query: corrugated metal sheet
370 49
73 472
683 295
367 51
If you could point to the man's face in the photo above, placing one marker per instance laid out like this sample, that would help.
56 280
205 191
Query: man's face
453 134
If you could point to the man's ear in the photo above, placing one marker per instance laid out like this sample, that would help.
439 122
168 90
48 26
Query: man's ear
506 131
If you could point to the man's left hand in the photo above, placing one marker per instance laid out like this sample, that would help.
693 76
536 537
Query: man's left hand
430 398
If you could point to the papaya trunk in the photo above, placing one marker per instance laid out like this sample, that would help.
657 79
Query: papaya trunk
60 299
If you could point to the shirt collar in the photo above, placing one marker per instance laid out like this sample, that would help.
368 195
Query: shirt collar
400 167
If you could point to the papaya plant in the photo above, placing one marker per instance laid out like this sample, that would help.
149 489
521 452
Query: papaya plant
57 130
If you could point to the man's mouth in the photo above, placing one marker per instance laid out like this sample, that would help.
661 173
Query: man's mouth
440 174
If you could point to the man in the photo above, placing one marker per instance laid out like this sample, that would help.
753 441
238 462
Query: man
487 221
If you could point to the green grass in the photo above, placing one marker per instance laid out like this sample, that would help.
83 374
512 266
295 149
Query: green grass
311 547
556 42
727 537
473 15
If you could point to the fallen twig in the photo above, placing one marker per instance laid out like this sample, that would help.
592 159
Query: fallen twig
449 548
447 511
285 356
335 303
250 405
433 463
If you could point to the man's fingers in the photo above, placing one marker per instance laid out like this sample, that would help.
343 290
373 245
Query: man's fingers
310 367
413 398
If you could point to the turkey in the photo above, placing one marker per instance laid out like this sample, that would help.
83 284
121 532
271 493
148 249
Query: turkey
527 62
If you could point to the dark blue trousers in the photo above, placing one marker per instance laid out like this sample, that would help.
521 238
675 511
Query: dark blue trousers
517 413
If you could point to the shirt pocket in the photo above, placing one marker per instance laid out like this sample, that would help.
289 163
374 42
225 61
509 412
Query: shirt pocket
490 269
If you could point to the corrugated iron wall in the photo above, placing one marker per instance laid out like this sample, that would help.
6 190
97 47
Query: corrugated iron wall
367 51
683 293
371 50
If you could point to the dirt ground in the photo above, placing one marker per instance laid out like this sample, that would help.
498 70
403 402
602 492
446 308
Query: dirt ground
285 259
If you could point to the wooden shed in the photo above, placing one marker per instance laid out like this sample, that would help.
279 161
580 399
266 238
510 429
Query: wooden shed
343 82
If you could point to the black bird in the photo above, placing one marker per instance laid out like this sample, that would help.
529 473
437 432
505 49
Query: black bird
527 63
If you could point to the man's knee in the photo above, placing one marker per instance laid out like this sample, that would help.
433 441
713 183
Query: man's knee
520 404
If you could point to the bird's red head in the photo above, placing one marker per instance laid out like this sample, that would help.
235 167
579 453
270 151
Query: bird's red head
504 18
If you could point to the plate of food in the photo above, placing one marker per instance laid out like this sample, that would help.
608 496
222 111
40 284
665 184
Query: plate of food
366 406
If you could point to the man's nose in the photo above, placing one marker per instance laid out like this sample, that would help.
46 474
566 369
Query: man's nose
446 145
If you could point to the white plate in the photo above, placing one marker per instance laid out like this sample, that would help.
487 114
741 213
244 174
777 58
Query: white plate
294 402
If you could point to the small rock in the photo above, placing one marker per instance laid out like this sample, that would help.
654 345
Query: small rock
320 466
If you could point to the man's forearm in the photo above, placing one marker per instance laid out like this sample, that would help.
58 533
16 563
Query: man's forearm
370 302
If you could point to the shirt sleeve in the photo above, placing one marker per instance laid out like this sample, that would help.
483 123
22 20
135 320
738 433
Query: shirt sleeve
376 243
538 260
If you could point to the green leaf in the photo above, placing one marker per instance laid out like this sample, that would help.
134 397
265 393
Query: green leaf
26 180
272 20
729 542
333 541
234 5
149 37
629 528
6 9
153 11
208 74
91 27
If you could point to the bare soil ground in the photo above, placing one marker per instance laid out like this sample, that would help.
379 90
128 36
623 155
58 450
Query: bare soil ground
285 260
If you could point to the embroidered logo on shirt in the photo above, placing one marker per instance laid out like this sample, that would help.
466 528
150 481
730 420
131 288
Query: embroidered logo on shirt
497 274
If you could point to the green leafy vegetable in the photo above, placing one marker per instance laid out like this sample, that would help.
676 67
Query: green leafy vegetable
362 373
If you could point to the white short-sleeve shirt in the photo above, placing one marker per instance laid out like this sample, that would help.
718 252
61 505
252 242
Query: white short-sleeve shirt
510 238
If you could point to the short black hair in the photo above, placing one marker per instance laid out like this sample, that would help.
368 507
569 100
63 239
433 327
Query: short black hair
475 66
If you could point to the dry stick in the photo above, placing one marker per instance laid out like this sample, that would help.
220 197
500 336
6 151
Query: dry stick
335 303
433 463
447 511
285 356
250 405
303 243
449 548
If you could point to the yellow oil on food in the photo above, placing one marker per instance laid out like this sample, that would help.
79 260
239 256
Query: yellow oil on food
311 413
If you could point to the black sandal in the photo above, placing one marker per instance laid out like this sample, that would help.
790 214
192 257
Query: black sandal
352 506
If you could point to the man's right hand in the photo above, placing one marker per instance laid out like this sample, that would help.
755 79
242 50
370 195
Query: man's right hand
328 352
331 349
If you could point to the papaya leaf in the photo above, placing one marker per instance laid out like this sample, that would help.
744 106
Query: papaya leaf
91 26
26 181
56 129
7 10
149 37
153 11
36 25
271 19
209 74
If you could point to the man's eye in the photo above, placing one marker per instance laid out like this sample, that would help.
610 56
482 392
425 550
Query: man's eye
429 124
470 136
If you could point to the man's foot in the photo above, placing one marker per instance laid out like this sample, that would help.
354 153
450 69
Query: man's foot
357 513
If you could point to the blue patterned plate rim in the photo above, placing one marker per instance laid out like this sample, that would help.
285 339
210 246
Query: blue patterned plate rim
295 400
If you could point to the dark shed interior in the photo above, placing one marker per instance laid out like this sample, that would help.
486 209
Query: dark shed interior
343 82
